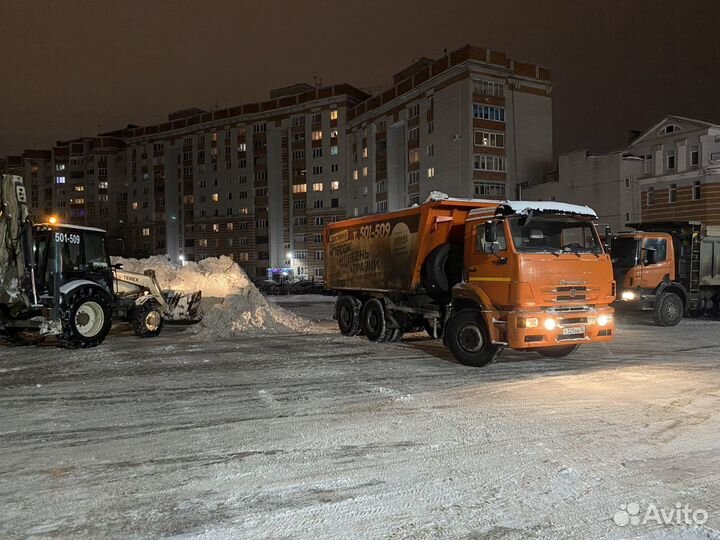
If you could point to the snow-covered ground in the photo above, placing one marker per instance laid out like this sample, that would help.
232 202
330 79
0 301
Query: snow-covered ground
294 435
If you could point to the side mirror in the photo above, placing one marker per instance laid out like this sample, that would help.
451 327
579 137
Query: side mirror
490 232
650 256
118 266
491 244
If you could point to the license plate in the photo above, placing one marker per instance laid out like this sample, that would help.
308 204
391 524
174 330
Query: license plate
573 330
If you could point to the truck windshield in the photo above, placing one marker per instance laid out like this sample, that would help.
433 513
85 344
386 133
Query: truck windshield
624 252
554 234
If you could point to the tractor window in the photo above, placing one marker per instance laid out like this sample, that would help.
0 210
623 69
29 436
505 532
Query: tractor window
660 247
95 254
70 253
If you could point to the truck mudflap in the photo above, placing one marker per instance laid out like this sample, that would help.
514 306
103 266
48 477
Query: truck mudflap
550 328
183 307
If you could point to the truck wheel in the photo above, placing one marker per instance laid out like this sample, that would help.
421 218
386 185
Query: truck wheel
374 324
147 319
468 339
86 318
668 310
557 352
348 315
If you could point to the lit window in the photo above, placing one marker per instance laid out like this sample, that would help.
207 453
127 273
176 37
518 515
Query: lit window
334 185
60 180
146 232
333 115
365 152
317 135
216 227
318 186
135 205
414 156
431 172
355 174
215 197
79 188
365 171
229 226
300 188
333 150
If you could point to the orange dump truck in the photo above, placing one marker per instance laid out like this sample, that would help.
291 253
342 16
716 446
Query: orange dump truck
483 275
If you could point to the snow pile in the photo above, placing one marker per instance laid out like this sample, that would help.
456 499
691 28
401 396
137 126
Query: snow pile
214 277
237 306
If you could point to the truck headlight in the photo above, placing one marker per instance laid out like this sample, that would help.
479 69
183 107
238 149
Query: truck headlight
628 295
549 324
602 320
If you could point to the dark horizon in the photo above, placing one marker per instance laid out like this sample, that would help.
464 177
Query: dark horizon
133 66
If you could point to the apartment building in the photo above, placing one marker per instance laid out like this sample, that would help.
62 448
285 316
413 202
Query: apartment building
90 186
36 167
605 182
257 182
473 123
680 177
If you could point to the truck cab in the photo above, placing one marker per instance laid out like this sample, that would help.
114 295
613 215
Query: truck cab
543 278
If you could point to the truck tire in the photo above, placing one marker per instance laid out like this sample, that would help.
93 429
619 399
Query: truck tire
374 324
559 351
147 319
347 311
668 309
442 269
86 318
468 339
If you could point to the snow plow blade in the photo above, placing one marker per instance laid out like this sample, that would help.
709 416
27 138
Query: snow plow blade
184 307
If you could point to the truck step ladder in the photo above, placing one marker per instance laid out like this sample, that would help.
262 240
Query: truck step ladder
695 243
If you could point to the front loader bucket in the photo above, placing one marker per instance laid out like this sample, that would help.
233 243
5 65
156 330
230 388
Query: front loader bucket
184 307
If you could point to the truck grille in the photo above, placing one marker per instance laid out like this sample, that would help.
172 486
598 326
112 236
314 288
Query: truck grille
570 293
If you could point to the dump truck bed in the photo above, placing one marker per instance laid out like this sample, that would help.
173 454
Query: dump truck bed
385 252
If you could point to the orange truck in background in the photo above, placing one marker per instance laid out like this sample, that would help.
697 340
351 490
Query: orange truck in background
670 268
483 275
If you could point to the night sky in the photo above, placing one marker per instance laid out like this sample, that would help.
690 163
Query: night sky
72 68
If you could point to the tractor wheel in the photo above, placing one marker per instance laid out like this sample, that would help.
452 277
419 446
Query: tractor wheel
468 339
668 309
347 310
147 319
86 318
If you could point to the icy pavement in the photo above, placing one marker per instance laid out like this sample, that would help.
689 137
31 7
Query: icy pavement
321 436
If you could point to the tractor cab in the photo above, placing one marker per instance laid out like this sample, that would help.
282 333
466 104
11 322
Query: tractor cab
66 253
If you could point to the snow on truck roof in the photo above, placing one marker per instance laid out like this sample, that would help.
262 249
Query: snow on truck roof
519 207
549 207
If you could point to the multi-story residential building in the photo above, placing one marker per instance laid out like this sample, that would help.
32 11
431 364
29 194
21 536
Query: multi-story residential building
473 123
90 186
36 167
606 182
259 181
681 170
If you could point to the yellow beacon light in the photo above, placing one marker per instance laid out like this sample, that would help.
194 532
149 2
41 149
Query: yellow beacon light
53 220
